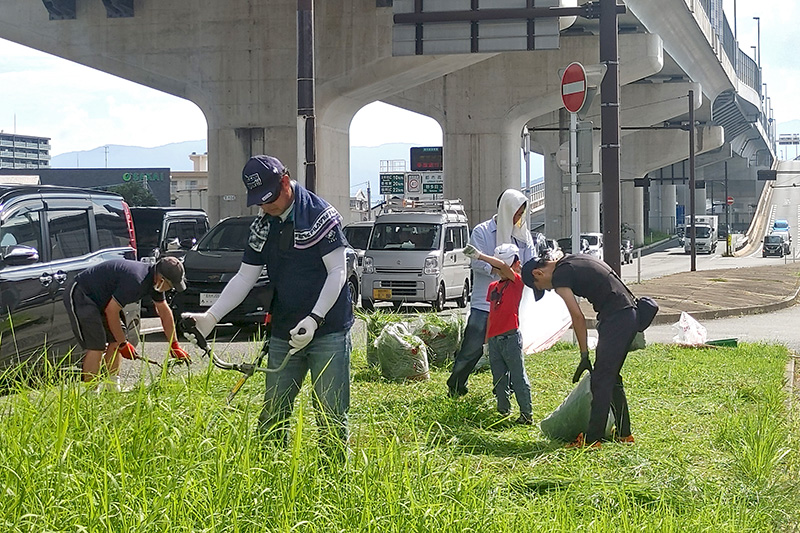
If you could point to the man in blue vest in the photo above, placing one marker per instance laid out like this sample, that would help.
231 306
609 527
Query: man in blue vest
299 238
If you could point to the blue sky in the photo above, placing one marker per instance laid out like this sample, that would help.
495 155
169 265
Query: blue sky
81 109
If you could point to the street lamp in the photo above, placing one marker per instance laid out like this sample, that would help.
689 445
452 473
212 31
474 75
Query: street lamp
758 40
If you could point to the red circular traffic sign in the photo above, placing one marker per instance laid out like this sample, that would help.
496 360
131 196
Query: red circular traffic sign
573 87
730 200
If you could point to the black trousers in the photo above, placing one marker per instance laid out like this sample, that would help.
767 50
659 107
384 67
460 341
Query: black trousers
614 336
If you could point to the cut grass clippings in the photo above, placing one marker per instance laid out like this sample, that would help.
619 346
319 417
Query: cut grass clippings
716 450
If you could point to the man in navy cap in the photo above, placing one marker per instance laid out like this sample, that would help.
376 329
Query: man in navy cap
299 238
617 323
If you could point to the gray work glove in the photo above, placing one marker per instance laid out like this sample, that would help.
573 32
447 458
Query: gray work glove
584 365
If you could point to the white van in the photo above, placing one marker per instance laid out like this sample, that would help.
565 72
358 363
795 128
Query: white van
415 254
595 241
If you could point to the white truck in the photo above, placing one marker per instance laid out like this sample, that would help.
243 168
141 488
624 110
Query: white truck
706 228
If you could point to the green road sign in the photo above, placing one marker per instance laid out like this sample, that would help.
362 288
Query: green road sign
393 183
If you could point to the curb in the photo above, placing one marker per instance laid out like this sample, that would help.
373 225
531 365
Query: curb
711 314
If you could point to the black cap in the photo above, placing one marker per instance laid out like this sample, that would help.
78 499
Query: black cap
527 275
172 269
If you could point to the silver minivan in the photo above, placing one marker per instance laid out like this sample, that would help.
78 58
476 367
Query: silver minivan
416 254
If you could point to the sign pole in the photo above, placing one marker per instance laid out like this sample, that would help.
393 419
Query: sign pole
573 96
573 183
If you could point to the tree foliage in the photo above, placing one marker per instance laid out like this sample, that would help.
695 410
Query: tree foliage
134 194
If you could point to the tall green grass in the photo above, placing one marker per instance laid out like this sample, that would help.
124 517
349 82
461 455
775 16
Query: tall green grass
716 450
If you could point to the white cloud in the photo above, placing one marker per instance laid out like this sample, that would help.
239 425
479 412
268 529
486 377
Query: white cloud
80 108
378 123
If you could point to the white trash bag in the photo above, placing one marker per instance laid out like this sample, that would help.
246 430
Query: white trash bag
690 331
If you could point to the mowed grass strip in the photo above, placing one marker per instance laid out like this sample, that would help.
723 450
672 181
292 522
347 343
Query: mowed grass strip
716 449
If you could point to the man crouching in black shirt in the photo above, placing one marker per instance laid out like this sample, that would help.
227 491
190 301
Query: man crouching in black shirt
583 275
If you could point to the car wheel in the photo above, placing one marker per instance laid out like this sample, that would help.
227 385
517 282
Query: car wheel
367 305
438 303
462 301
353 290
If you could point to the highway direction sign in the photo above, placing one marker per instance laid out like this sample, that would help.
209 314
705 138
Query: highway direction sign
393 183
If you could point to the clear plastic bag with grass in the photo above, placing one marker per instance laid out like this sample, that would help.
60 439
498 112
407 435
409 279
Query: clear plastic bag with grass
572 416
402 355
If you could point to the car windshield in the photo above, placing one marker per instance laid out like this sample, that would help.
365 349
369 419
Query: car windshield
592 239
357 236
703 232
773 239
405 236
228 235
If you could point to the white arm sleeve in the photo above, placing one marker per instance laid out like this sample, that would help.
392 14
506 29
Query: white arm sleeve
335 264
236 290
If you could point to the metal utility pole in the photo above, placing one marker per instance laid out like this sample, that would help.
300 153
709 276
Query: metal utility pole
692 181
305 88
526 152
609 144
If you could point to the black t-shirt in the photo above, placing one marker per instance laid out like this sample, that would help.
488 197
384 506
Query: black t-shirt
298 274
594 280
125 281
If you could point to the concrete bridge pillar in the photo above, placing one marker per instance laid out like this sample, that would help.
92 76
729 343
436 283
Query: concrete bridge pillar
665 214
632 214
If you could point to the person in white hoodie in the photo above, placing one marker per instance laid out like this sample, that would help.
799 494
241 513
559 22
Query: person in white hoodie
508 226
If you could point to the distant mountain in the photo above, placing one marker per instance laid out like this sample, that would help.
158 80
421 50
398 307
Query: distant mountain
174 156
364 160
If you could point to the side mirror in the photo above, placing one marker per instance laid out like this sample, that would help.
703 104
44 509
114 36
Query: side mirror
19 254
449 246
187 244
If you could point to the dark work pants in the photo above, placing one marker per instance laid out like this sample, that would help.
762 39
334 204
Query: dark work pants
471 350
614 336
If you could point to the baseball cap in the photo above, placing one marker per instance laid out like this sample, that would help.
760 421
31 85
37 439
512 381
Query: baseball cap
507 253
262 176
527 274
172 269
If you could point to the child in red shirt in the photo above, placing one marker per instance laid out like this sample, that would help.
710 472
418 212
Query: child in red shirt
505 341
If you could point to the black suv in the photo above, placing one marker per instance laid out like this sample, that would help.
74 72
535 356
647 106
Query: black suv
163 231
48 235
167 230
217 258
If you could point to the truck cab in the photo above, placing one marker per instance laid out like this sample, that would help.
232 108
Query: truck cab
416 254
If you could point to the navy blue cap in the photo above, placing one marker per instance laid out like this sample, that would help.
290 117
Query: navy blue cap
262 176
527 275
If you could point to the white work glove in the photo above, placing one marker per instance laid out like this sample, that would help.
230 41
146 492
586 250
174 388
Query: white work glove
205 325
299 340
471 252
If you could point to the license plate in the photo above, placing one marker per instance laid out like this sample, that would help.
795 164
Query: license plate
382 294
207 299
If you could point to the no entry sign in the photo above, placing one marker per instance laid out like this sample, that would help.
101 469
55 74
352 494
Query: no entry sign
573 87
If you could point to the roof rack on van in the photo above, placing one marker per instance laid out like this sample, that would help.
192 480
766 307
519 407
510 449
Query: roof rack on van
452 209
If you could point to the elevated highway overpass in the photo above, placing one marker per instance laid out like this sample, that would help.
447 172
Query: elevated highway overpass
237 60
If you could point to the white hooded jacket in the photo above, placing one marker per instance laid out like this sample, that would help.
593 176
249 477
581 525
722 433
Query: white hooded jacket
510 202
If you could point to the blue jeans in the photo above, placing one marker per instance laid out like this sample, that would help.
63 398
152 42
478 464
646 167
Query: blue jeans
471 350
508 371
328 358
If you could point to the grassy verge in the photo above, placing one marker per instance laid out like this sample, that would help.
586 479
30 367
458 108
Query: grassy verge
716 450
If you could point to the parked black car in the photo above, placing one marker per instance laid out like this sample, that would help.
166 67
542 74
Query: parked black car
216 259
163 231
167 230
48 235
